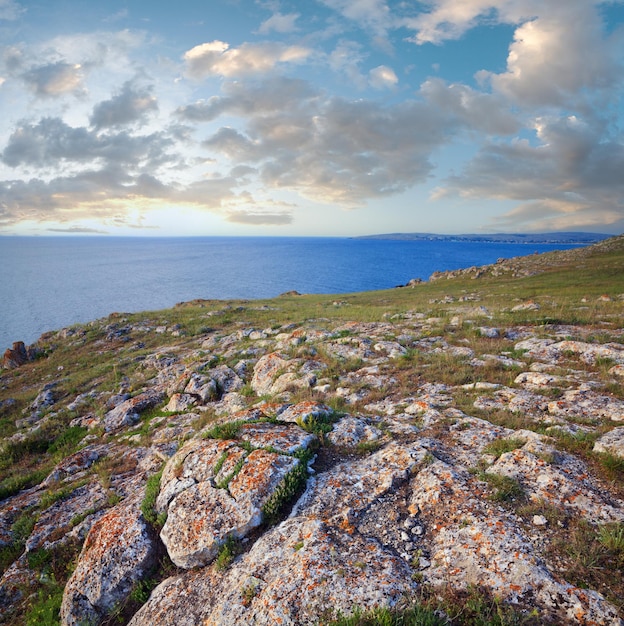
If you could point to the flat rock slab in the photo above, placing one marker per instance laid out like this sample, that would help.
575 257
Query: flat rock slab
581 403
305 412
292 574
127 413
118 552
351 431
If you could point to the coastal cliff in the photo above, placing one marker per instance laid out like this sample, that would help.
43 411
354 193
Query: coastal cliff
451 452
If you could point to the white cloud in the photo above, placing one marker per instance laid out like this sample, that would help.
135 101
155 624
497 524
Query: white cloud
279 23
558 55
333 150
217 58
372 15
382 77
346 59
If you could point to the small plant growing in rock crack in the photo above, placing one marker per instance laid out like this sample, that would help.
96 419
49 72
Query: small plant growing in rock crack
223 484
292 484
148 505
248 593
230 548
229 430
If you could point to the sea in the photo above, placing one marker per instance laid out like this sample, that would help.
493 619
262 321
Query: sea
48 283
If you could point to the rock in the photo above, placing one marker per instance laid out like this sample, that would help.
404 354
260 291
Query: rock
538 380
180 402
582 403
118 552
526 306
350 431
474 545
611 442
268 369
127 413
305 412
15 357
203 386
539 520
213 489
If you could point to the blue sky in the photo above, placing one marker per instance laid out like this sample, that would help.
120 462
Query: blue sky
317 117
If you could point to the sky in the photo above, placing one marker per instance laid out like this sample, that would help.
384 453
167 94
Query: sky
311 117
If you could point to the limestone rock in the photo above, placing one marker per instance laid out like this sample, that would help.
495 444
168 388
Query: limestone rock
350 431
118 552
127 413
212 489
611 442
180 402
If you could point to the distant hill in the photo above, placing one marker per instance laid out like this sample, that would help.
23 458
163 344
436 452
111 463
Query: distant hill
529 238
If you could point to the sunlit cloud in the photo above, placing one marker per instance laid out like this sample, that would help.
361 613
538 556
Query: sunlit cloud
217 58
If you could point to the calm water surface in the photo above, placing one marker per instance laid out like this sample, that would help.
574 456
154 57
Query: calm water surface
50 283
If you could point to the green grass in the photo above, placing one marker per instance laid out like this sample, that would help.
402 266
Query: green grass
148 504
501 446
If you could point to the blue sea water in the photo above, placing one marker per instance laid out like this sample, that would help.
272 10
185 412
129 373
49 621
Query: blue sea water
51 282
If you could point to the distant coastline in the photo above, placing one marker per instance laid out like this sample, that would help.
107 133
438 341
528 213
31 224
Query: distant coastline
567 238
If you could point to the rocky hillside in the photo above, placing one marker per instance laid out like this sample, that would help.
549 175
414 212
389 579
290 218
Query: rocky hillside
447 453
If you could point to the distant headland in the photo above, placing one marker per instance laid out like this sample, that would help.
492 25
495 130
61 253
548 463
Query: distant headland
529 238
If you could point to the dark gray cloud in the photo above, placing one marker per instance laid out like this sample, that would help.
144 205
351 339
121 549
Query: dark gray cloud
130 105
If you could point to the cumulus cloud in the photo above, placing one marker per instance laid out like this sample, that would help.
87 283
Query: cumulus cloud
279 23
55 79
216 58
51 141
250 98
558 55
130 105
569 178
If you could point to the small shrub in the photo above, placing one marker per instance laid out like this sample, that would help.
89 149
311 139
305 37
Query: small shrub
292 485
229 430
227 553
